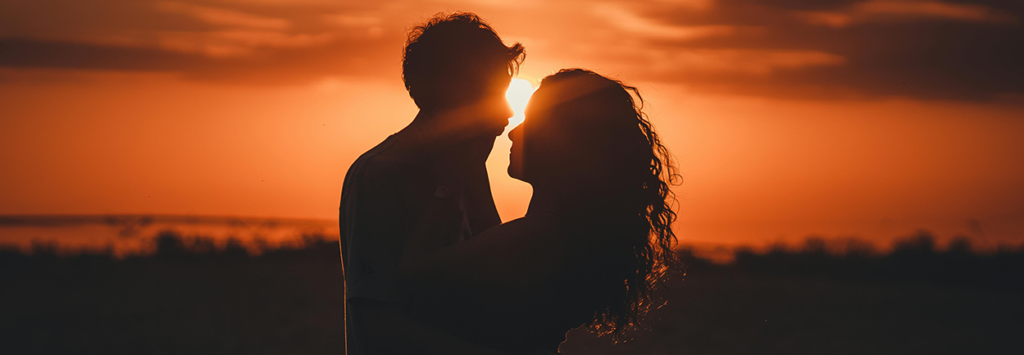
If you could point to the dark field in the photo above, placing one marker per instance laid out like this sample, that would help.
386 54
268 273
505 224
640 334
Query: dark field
194 298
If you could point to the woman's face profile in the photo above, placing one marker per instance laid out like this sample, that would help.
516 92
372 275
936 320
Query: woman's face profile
524 135
542 144
515 155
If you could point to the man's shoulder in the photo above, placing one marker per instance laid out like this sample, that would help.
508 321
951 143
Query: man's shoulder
380 160
384 164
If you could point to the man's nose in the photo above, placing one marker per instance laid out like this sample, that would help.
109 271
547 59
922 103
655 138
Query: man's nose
502 113
508 111
501 110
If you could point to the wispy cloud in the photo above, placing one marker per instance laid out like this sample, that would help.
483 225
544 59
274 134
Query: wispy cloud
224 17
748 61
235 43
691 4
621 18
875 48
936 9
905 10
348 20
826 18
372 25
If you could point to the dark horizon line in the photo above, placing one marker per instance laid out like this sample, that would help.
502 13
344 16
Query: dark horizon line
57 220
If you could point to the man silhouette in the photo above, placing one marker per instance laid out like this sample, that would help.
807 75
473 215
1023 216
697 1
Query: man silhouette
457 70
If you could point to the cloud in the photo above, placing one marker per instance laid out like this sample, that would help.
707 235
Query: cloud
787 48
347 20
286 3
22 53
262 42
234 43
488 3
223 17
905 10
918 49
746 61
625 20
693 4
240 34
934 9
371 24
826 18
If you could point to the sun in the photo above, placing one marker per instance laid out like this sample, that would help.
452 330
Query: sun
518 94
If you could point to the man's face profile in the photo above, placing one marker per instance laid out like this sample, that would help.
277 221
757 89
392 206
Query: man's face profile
486 110
494 107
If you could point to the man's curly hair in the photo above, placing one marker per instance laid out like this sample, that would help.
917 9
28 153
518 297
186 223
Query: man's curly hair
449 58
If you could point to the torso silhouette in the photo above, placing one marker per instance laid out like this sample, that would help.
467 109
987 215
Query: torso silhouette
384 192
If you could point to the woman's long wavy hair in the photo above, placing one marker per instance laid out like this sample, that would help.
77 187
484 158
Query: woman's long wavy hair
639 213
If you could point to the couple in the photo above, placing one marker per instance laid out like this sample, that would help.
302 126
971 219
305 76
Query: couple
430 268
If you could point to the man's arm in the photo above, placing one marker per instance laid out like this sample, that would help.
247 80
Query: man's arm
391 331
464 168
380 325
483 214
500 261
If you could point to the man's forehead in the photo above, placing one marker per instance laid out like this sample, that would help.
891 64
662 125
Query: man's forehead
498 80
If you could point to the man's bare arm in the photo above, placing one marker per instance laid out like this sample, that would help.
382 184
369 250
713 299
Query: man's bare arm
483 214
393 332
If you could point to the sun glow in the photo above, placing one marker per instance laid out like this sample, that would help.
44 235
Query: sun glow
518 94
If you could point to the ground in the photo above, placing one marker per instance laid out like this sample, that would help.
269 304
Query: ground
287 301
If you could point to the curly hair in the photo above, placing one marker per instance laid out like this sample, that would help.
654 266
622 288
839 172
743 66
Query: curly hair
445 59
642 213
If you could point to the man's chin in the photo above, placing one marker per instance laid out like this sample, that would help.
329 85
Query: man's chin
493 132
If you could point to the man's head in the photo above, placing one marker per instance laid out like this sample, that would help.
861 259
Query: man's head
455 60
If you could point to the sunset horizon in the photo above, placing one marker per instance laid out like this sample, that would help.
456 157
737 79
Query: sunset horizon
481 177
789 120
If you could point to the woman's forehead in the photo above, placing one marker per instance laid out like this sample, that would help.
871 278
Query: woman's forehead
568 89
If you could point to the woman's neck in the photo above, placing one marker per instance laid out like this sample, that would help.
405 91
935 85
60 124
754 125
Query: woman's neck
548 199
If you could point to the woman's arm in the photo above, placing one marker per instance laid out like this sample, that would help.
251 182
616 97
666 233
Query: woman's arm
508 257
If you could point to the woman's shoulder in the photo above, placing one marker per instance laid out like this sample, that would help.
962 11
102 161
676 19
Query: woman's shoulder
539 220
539 227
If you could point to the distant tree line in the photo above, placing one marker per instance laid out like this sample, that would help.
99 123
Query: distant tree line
915 259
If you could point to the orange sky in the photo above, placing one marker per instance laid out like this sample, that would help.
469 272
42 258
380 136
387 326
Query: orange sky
867 118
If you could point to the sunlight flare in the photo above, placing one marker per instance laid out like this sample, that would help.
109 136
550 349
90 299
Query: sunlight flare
518 94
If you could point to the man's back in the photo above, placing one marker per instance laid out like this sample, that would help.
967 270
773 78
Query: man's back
384 191
373 217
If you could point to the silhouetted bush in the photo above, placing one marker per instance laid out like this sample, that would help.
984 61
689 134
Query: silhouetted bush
169 245
914 259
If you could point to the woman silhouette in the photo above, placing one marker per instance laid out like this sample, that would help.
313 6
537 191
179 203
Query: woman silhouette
596 238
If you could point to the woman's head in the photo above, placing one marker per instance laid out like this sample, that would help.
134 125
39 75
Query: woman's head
585 136
568 120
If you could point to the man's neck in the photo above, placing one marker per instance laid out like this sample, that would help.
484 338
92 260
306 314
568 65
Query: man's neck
414 137
419 138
